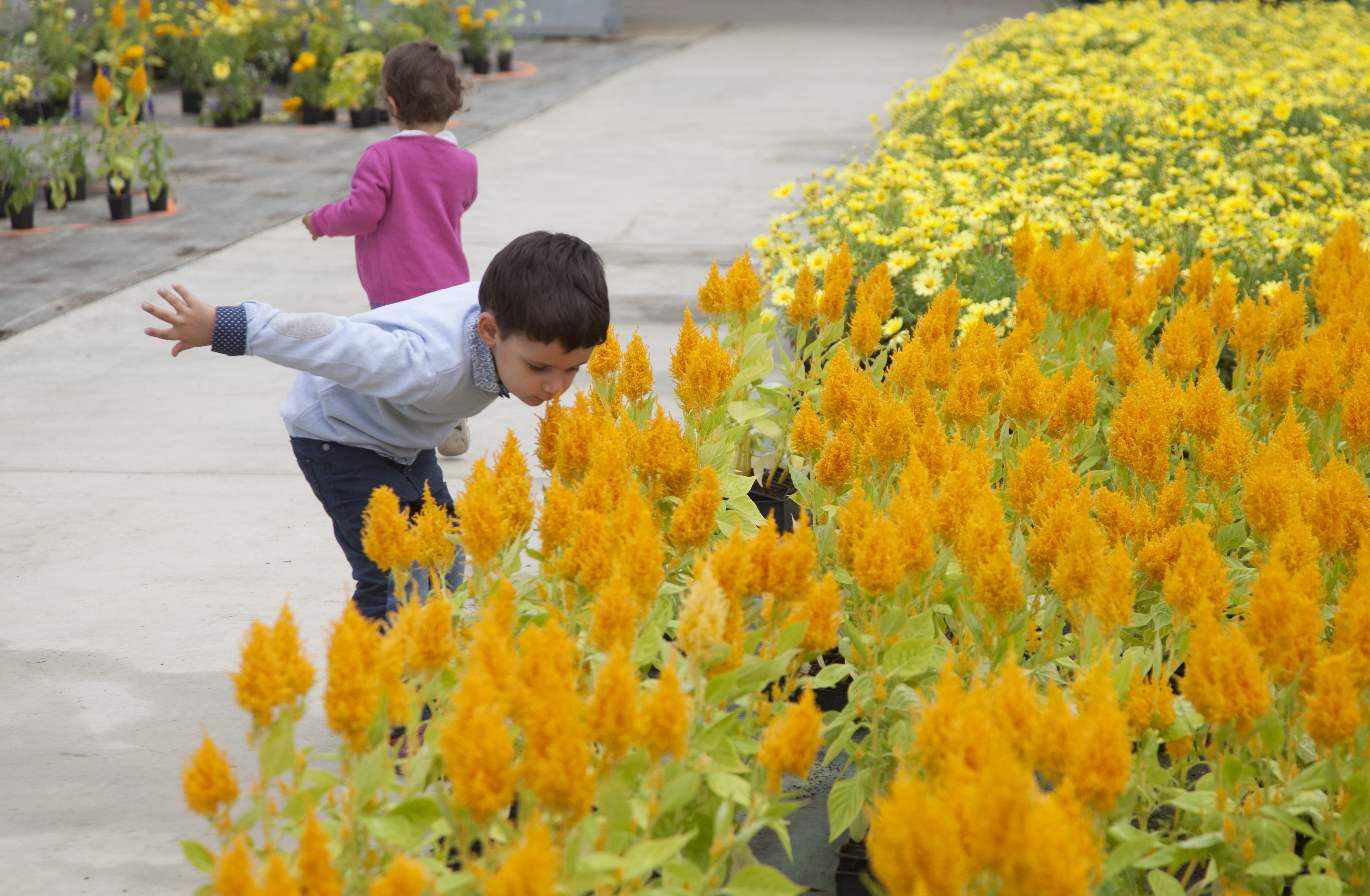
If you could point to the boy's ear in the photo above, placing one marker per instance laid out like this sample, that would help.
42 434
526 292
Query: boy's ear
487 329
394 107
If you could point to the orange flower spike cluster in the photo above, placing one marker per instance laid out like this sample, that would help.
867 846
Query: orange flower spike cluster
667 461
1335 709
276 881
693 520
635 378
686 341
208 781
706 374
874 305
404 877
102 88
605 358
803 307
807 433
837 464
713 295
742 287
614 704
274 670
547 434
386 537
352 694
513 484
1144 426
433 534
118 17
1075 403
137 82
484 525
531 868
1196 583
1100 744
665 718
1284 620
832 305
318 877
821 608
478 748
233 872
791 740
1223 676
555 762
703 617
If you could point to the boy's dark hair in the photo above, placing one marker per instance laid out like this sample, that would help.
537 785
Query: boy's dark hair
423 81
550 288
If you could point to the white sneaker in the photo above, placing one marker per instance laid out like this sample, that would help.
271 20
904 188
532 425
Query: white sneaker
458 441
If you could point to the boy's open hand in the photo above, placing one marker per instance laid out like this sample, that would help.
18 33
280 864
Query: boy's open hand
191 320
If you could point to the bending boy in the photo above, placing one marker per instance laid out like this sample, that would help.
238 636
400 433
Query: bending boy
379 390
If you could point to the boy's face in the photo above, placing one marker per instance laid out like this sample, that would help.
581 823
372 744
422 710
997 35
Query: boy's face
533 372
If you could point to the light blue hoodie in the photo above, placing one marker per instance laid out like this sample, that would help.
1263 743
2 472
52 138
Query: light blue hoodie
393 380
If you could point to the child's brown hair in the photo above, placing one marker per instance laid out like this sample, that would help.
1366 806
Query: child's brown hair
423 82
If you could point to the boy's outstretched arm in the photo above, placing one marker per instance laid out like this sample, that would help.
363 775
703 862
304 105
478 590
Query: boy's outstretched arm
191 320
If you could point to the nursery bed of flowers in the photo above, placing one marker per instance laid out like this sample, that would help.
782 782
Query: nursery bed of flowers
1236 128
1102 607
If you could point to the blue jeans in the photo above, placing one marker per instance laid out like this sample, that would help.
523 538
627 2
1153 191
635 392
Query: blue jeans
343 478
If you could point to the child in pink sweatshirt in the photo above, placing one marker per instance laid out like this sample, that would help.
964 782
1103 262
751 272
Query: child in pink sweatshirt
410 191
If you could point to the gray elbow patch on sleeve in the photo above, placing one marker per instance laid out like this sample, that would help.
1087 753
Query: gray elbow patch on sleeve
303 326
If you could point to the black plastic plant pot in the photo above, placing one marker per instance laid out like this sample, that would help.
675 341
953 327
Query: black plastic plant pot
833 698
120 205
504 61
30 113
853 869
225 120
79 194
256 113
310 115
48 200
360 118
772 497
157 202
466 57
481 64
192 101
22 219
281 76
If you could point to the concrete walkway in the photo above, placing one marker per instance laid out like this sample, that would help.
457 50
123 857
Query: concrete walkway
152 509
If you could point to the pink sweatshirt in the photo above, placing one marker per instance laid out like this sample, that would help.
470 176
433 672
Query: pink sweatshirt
405 208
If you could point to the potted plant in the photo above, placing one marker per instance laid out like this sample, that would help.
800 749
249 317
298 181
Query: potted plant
153 157
57 166
76 145
475 37
61 46
21 174
354 83
118 165
309 82
185 63
15 88
509 15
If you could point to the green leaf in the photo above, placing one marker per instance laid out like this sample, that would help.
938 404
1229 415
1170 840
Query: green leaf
1201 841
746 411
678 791
830 675
647 855
197 855
768 428
909 658
1163 884
1124 854
1279 865
845 801
1231 537
761 880
1317 885
730 787
277 751
372 772
420 811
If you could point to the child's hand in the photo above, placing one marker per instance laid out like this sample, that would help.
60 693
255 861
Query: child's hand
308 221
191 320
